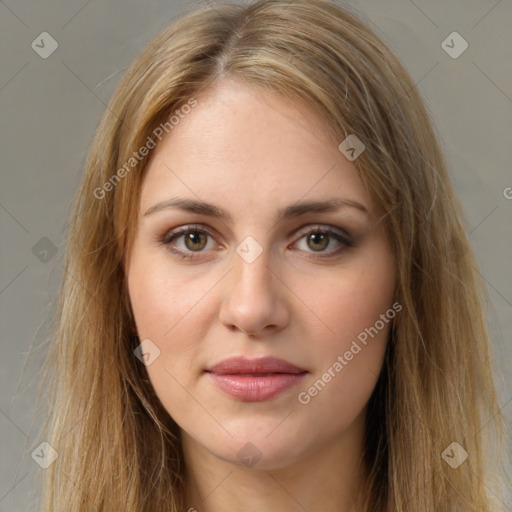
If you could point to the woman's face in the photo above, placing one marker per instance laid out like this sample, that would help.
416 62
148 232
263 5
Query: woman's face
300 295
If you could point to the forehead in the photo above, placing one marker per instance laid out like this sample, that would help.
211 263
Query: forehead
250 148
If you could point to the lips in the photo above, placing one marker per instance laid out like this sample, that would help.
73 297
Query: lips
254 380
239 365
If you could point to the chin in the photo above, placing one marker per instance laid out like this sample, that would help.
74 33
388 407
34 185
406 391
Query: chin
258 446
259 455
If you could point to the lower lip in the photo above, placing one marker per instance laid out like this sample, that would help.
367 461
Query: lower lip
250 388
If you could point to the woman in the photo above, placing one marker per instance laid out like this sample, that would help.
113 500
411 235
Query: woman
269 299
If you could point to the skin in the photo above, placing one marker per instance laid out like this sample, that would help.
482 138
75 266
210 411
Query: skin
253 152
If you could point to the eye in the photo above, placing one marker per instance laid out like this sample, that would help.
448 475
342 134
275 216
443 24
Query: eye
188 240
319 238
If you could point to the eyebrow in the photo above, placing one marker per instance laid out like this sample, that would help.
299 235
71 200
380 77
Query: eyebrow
292 211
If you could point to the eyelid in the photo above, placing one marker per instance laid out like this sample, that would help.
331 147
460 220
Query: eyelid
174 233
313 228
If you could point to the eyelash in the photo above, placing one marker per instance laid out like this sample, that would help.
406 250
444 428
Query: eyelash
177 233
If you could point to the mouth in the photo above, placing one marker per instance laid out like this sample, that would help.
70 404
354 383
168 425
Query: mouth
255 380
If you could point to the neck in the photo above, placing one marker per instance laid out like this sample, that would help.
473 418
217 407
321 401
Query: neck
327 479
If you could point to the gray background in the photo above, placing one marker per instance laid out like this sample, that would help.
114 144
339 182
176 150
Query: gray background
50 109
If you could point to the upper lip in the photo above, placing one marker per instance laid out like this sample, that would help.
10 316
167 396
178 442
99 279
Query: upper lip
240 365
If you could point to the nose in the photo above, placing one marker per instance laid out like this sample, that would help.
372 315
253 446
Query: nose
254 298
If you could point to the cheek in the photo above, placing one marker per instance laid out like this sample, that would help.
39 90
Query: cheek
172 310
353 300
161 297
358 309
163 311
346 371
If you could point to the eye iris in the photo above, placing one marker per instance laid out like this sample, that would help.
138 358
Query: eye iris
193 238
318 238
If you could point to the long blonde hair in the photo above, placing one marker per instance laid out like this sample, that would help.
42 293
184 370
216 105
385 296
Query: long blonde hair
118 449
